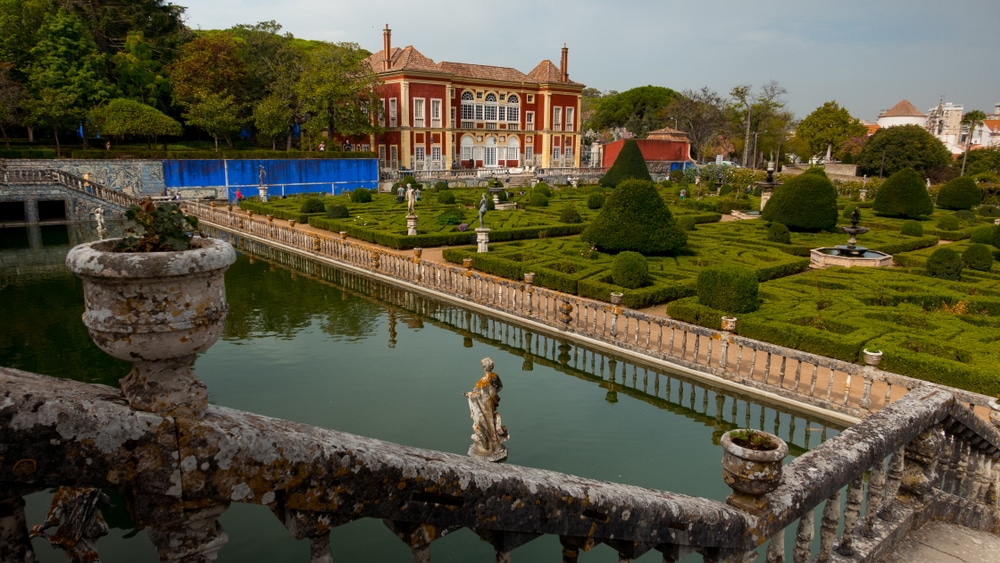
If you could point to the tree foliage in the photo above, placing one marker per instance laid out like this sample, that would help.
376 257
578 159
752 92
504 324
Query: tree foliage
630 164
807 202
971 120
904 194
639 110
828 126
892 149
635 218
123 117
702 115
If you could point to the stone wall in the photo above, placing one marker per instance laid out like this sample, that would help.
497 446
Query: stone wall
135 177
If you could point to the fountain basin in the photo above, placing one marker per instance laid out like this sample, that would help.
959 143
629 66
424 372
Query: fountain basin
848 257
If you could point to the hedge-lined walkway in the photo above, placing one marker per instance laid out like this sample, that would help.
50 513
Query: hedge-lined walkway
774 373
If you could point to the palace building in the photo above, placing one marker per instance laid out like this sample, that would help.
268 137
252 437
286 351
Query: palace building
440 116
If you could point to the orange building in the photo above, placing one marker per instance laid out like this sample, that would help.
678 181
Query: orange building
438 116
666 149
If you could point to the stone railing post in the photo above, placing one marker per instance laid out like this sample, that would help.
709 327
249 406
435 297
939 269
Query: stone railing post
187 536
14 542
921 460
616 310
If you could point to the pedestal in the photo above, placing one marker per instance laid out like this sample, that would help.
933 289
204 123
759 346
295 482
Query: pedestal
411 225
483 238
262 192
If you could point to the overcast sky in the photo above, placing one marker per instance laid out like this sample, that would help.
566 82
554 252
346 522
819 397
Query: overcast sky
865 55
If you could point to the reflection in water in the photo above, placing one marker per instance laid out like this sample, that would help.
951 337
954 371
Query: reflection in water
320 346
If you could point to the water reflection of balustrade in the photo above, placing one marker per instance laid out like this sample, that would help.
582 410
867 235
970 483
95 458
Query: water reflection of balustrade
926 456
827 383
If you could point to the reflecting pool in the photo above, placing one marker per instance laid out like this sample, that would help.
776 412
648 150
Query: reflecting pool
321 346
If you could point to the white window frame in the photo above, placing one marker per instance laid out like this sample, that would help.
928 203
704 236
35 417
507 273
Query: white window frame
555 154
568 154
529 154
467 148
513 109
529 121
436 105
557 118
381 114
436 153
393 112
419 155
570 114
419 106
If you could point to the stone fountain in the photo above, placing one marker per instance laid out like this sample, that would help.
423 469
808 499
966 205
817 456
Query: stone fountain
850 254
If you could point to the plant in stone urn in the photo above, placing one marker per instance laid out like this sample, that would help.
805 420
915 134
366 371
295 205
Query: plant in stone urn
156 298
751 463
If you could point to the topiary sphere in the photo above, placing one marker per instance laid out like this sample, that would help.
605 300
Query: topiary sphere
779 233
630 270
807 202
959 193
337 212
982 235
911 229
361 195
904 194
570 215
978 257
446 197
542 188
730 289
946 264
988 211
595 200
965 216
440 186
948 223
312 205
538 199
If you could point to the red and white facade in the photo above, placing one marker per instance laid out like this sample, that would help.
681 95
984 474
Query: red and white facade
439 116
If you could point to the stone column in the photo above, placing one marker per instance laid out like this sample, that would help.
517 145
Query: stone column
483 239
411 225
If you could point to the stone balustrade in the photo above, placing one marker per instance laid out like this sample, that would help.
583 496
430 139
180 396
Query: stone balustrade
28 176
782 374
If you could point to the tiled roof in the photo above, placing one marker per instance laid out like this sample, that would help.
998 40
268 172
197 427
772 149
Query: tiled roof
668 134
547 71
483 72
903 109
406 58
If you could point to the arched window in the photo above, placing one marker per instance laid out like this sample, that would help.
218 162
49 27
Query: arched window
490 111
467 143
513 109
513 149
468 109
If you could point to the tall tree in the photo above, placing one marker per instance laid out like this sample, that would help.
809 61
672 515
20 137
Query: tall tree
828 127
702 115
743 104
217 114
903 146
122 117
139 75
972 120
65 75
639 109
338 90
11 93
111 21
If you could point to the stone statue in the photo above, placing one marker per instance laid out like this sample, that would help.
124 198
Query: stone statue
483 206
855 217
411 199
489 433
261 175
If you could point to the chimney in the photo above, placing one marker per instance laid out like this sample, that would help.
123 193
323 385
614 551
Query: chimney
564 65
386 48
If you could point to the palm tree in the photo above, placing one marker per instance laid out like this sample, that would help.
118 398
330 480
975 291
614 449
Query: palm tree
973 119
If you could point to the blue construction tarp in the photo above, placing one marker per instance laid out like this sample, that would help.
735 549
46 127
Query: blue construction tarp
281 177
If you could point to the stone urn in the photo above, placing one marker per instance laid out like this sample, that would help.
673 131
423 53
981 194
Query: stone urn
752 461
529 278
729 323
467 263
291 223
157 310
872 358
616 297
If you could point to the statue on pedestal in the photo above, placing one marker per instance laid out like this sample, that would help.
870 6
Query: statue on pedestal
489 433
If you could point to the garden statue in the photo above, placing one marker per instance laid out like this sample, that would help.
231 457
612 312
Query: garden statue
489 433
411 199
855 217
483 206
261 175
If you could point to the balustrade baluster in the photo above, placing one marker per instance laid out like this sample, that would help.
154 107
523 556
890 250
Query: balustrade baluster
828 526
951 455
829 383
697 344
812 382
708 351
876 490
852 511
963 485
798 374
767 368
673 330
803 538
781 371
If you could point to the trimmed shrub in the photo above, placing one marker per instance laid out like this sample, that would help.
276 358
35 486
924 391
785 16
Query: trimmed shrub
630 270
948 223
779 233
595 200
807 202
965 216
570 215
959 193
538 199
911 228
502 195
686 223
946 264
629 165
988 211
361 195
312 205
450 217
636 218
407 180
440 186
904 194
982 235
730 289
978 257
337 212
848 211
542 188
446 197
